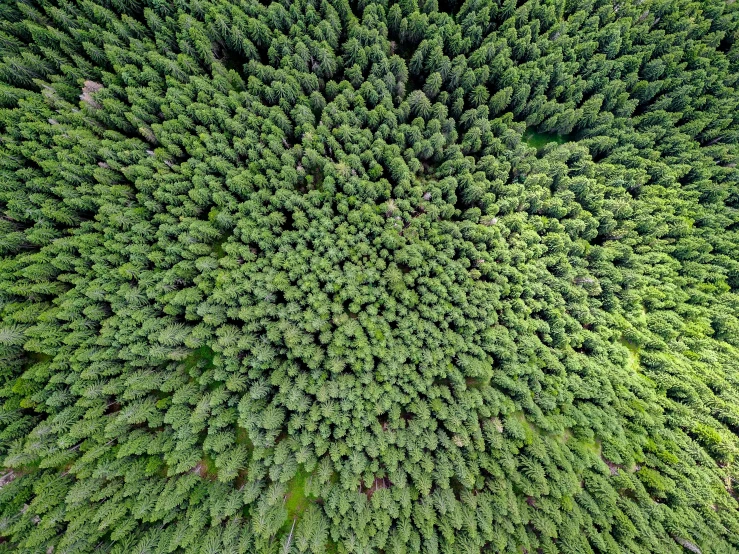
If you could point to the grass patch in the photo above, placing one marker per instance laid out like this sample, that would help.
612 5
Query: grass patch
206 468
591 446
218 245
200 357
477 382
594 446
297 500
540 140
632 360
242 437
38 357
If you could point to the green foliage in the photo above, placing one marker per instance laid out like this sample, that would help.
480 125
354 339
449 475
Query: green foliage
328 276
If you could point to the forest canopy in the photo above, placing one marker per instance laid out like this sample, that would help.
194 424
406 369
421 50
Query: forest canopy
427 276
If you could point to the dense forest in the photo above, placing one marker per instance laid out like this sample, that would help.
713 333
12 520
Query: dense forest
332 276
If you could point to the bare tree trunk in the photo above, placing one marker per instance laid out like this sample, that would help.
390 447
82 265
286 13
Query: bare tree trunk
289 538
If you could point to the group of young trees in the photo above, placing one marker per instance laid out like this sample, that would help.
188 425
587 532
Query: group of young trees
286 277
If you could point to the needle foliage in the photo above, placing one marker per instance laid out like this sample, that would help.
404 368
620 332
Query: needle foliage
313 276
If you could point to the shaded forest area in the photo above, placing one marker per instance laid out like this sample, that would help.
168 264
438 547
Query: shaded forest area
316 276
